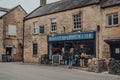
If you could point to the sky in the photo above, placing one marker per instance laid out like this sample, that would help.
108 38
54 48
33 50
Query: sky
28 5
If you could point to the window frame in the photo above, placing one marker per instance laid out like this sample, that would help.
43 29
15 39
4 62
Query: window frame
77 21
35 49
117 50
112 19
42 28
35 27
53 25
9 30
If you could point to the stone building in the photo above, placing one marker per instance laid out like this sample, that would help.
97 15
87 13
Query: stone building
54 28
11 30
2 12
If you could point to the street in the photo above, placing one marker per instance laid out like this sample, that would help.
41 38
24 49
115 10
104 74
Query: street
20 71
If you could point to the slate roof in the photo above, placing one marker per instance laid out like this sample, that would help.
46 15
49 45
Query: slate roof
64 5
60 6
109 3
4 9
10 10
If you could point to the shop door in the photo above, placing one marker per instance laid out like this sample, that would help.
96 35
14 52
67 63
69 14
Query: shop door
115 51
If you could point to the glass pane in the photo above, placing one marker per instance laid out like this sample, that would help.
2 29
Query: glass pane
109 19
34 49
115 15
117 50
115 19
41 29
12 30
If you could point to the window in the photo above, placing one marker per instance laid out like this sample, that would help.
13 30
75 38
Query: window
117 50
77 21
53 24
35 28
112 19
12 30
41 29
14 51
35 49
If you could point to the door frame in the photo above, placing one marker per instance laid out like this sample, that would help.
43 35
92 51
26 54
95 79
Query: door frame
6 49
112 51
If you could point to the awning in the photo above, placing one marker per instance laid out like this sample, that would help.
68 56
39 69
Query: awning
112 41
77 36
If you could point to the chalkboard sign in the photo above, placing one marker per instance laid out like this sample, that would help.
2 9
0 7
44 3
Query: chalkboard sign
56 59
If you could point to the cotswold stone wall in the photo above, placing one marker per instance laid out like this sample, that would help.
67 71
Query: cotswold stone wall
92 16
14 17
109 32
90 19
1 39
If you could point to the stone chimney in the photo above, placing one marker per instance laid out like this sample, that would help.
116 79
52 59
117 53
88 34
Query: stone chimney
43 2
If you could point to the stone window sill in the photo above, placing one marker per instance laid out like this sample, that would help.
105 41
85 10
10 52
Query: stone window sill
110 26
35 56
11 35
42 34
76 30
35 34
53 31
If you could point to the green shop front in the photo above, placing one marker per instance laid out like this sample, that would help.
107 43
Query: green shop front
60 44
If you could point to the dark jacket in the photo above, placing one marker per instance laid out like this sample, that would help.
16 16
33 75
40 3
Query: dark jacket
82 50
71 55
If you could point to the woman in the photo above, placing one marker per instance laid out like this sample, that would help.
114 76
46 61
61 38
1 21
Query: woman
71 57
82 55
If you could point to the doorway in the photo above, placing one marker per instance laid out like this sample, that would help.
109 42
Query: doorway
9 53
115 51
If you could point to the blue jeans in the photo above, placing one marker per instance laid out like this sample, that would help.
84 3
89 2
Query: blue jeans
70 63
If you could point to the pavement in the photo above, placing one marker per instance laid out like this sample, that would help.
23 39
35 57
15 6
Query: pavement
21 71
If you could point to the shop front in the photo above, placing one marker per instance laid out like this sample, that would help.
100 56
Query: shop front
61 44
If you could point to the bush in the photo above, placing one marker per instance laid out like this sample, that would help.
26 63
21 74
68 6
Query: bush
114 66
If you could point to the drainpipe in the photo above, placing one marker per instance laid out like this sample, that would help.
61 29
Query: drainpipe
4 35
23 40
98 30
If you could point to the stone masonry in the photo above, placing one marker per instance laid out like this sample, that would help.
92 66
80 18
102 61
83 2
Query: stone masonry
63 19
92 16
13 17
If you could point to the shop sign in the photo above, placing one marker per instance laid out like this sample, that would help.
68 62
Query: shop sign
56 59
80 36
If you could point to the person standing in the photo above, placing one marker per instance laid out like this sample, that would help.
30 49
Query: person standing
82 55
71 57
